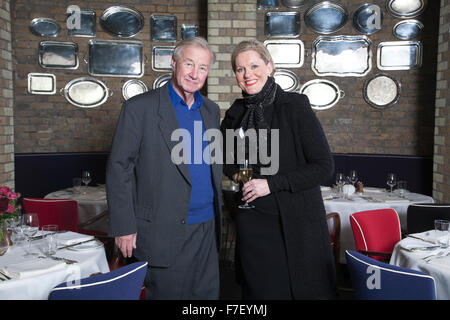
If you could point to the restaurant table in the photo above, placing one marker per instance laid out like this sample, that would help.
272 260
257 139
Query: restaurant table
438 268
37 284
91 202
370 199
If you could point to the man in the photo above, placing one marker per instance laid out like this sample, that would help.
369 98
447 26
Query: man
160 211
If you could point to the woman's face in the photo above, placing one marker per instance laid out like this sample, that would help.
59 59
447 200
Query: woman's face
251 71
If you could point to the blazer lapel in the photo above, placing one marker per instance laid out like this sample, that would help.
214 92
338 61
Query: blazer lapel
168 123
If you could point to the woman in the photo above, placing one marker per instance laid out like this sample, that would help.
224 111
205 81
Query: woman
283 242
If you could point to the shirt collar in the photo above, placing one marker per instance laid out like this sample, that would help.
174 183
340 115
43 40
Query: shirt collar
176 99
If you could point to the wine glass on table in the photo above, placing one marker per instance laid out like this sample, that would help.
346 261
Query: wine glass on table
30 227
340 181
391 181
353 176
86 178
245 175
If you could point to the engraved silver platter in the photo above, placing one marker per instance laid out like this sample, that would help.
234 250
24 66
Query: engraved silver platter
286 53
86 92
132 88
399 55
282 24
322 94
162 80
87 24
163 28
406 8
162 58
326 17
122 21
58 55
381 91
342 56
121 58
368 19
287 80
408 29
41 83
44 27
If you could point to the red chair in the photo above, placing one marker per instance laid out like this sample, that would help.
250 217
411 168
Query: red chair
376 232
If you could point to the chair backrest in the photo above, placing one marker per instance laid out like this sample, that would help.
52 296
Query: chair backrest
62 212
376 230
334 227
420 217
121 284
375 280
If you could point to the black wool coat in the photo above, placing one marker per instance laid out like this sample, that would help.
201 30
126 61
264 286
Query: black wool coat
305 164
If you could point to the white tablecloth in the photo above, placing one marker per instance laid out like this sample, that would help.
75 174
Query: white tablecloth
438 268
374 199
91 201
38 287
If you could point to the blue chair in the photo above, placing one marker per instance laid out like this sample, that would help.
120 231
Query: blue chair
375 280
121 284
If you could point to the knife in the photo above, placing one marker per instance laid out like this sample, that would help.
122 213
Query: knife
75 244
416 237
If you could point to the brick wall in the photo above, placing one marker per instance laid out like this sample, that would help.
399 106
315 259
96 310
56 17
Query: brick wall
6 98
441 175
50 123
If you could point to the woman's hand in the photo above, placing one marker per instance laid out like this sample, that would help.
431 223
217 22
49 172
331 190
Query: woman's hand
255 188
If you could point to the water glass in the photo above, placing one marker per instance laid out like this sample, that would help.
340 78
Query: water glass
76 184
402 188
442 229
49 243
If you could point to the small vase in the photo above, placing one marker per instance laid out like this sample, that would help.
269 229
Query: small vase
5 240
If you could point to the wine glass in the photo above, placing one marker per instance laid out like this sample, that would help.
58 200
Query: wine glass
86 177
30 228
353 176
340 181
245 175
391 181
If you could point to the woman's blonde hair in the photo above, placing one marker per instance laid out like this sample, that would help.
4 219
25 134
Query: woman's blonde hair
254 45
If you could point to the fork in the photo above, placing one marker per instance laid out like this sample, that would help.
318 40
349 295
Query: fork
67 261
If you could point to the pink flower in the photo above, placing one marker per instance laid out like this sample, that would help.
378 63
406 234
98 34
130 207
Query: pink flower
10 209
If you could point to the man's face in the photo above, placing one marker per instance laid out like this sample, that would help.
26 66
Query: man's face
191 70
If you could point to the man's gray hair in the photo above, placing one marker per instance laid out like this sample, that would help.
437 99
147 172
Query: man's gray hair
196 42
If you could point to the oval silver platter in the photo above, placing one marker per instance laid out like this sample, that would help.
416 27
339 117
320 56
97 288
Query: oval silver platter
322 94
86 92
122 21
287 80
406 8
44 27
368 19
161 80
132 88
326 17
408 29
381 91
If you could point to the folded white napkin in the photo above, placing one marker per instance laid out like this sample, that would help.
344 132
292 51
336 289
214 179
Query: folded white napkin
429 236
412 244
31 268
69 237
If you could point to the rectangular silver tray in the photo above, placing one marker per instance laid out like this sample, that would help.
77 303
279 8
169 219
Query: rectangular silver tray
41 83
162 58
163 28
342 56
116 58
286 53
282 24
58 55
399 55
87 25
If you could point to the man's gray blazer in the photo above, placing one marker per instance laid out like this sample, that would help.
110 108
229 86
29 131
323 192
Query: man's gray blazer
147 193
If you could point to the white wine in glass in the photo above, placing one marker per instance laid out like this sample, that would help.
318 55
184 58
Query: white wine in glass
245 175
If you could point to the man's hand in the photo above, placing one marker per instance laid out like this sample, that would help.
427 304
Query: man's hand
126 244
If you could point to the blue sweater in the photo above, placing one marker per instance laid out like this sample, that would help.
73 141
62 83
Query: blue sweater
201 208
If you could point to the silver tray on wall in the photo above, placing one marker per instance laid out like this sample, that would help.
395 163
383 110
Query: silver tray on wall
368 19
188 31
295 4
122 21
162 80
44 27
88 25
408 29
162 58
132 88
326 17
58 55
322 94
267 4
86 92
342 56
381 91
282 24
163 28
286 53
399 55
41 83
287 80
116 58
406 8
